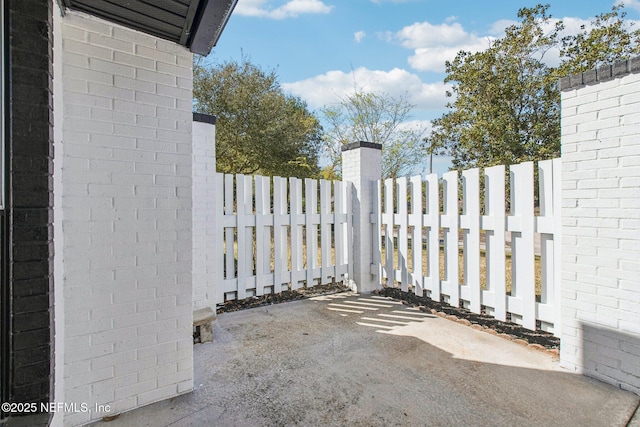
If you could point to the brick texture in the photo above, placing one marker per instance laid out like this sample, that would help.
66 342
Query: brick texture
126 216
601 226
204 199
30 151
361 165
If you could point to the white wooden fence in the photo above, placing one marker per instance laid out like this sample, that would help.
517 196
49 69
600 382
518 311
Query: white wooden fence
417 221
275 234
270 238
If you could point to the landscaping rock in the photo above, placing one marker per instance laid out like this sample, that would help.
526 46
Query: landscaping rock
488 323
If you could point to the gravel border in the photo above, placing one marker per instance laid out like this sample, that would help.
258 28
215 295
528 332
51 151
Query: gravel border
539 340
284 296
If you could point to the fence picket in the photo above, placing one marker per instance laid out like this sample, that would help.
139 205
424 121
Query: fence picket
244 209
230 223
376 219
494 223
280 223
557 245
548 224
312 220
415 221
348 191
432 221
339 232
401 219
520 223
387 220
297 221
544 226
326 219
264 220
450 224
470 223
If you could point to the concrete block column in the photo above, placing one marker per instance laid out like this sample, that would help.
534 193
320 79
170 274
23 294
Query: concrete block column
362 166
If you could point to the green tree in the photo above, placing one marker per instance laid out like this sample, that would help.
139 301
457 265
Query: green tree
259 128
608 39
505 104
374 117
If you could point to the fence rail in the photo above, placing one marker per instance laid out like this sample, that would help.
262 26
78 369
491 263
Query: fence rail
430 236
421 221
273 236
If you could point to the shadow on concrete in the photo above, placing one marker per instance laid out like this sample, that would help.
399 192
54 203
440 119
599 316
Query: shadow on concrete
368 361
611 356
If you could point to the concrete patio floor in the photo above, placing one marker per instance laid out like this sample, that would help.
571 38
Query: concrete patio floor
351 360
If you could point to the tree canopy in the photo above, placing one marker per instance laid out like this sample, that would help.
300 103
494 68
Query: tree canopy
259 128
374 117
610 38
505 105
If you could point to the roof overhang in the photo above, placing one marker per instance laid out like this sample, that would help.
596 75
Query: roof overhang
196 24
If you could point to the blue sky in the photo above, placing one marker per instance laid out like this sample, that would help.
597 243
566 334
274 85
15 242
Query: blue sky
318 47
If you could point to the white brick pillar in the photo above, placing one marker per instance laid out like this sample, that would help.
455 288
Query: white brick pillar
123 191
204 199
362 165
601 224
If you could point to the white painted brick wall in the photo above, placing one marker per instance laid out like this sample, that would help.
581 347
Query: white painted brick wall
601 231
125 156
362 167
204 199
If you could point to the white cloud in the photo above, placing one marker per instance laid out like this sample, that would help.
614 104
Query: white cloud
498 27
359 35
571 25
290 9
421 127
426 34
450 19
328 88
434 58
434 44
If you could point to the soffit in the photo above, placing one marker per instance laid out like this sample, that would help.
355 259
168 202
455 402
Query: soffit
196 24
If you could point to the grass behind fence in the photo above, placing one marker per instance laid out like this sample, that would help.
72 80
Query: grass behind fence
461 278
443 272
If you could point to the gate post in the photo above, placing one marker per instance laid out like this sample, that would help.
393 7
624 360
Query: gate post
362 166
